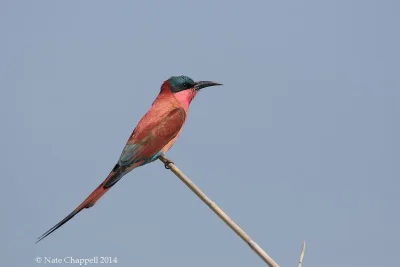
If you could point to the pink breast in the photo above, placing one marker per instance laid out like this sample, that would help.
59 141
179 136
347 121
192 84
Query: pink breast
185 97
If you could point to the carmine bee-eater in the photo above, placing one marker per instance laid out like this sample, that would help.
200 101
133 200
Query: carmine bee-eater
154 135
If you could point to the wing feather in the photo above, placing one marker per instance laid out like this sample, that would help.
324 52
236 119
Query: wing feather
154 137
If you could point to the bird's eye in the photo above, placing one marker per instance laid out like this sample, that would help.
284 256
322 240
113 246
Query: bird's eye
185 85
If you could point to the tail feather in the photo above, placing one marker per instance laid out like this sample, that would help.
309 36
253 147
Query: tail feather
110 181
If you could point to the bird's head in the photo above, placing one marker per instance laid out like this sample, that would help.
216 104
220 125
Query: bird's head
184 88
181 83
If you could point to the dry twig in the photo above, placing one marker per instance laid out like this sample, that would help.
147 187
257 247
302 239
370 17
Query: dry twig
246 238
302 254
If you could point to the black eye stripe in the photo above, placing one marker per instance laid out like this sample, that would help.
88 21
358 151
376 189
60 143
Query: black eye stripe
180 83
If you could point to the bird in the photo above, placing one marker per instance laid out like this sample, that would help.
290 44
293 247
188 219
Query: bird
153 136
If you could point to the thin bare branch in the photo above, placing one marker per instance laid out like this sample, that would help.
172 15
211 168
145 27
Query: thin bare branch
302 254
246 238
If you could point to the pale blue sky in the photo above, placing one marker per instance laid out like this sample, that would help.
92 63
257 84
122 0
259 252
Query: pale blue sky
301 142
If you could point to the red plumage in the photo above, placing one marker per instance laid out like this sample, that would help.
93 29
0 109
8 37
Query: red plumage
155 133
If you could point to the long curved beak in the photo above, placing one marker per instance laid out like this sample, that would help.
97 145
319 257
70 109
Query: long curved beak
203 84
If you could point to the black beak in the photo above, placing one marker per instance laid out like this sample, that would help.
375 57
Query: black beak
203 84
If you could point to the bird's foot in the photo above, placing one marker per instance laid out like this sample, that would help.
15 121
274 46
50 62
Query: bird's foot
167 163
